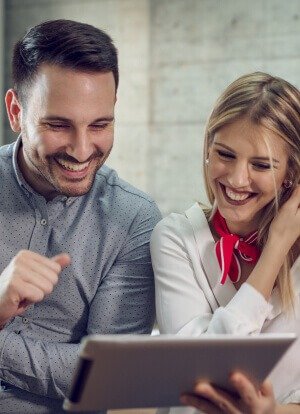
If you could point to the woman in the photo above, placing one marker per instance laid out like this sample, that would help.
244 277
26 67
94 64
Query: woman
235 268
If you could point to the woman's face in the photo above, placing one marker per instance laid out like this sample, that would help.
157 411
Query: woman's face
241 175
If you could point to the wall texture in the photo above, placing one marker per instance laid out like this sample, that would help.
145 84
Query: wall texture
175 59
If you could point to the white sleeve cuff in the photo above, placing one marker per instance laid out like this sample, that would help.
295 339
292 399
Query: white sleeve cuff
292 398
250 302
244 314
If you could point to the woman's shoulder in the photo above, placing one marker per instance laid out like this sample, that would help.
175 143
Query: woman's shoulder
180 224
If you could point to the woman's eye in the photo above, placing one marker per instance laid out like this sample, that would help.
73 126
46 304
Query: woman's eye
261 166
225 155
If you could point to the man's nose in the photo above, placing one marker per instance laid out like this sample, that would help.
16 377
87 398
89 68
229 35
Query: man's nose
239 175
80 146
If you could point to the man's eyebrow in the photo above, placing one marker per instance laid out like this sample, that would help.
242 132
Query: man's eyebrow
63 119
256 158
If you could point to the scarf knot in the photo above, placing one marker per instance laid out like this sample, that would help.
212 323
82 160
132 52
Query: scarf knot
230 247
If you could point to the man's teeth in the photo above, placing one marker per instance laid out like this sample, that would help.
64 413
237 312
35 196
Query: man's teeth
71 166
236 196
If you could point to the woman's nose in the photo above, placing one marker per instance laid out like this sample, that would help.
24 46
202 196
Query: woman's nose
239 175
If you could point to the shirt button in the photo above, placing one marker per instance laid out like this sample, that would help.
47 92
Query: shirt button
43 222
25 320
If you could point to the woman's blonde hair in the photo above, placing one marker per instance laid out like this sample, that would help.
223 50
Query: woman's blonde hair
273 103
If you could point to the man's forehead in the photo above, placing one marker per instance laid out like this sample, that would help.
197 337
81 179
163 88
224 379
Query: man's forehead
58 87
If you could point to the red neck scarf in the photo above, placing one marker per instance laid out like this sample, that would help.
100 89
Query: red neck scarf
246 248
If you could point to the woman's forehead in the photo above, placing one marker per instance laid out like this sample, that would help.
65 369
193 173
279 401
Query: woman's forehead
243 135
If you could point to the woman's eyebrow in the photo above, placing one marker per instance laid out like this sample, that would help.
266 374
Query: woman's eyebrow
274 160
224 146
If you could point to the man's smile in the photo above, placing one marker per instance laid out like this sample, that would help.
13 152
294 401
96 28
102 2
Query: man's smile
72 166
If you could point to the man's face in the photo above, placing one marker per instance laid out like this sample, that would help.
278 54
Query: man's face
67 127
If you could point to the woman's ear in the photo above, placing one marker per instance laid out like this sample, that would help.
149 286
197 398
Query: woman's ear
14 110
287 183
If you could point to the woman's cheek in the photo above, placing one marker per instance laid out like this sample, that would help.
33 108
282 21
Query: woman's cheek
216 170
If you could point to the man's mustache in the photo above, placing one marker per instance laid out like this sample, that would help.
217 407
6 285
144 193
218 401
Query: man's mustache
65 157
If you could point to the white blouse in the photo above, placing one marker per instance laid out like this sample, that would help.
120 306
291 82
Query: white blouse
191 301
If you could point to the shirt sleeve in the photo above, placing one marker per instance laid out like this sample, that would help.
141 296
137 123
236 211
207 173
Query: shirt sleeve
39 367
127 292
181 303
46 367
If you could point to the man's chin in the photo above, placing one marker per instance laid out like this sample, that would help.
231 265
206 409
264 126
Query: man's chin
73 189
72 192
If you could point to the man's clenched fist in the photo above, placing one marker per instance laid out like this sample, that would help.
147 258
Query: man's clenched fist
27 279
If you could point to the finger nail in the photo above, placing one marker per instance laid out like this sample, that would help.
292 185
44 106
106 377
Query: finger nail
235 379
201 388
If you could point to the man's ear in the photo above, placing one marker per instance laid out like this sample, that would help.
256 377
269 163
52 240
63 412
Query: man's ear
14 110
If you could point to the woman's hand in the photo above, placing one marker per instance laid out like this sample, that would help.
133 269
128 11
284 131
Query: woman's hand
283 233
251 400
285 227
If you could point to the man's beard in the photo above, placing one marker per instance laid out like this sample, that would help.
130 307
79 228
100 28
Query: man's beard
44 172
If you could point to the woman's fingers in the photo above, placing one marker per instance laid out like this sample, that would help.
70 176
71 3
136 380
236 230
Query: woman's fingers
267 389
254 399
251 399
199 403
245 388
219 398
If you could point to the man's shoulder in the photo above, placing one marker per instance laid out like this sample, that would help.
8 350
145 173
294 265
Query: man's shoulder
6 155
121 201
6 151
119 188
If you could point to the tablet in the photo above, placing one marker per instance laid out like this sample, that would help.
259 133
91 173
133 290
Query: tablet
135 371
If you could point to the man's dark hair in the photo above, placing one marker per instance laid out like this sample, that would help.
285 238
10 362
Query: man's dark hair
66 43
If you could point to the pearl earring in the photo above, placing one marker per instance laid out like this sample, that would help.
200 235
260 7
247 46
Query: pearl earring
206 161
287 183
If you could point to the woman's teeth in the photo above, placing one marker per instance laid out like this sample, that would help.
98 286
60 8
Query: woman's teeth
236 196
71 166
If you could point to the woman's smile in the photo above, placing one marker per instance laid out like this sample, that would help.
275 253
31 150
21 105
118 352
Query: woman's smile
235 197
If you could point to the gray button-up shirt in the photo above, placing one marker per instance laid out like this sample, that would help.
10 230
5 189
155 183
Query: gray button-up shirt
107 288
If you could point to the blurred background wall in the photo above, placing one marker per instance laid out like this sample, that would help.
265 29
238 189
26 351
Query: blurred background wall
176 57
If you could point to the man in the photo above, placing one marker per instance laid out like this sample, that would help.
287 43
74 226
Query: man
74 257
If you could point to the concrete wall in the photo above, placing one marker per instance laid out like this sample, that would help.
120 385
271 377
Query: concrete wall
175 59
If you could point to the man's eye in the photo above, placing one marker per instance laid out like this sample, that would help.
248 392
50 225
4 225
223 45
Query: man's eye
56 126
225 155
99 126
